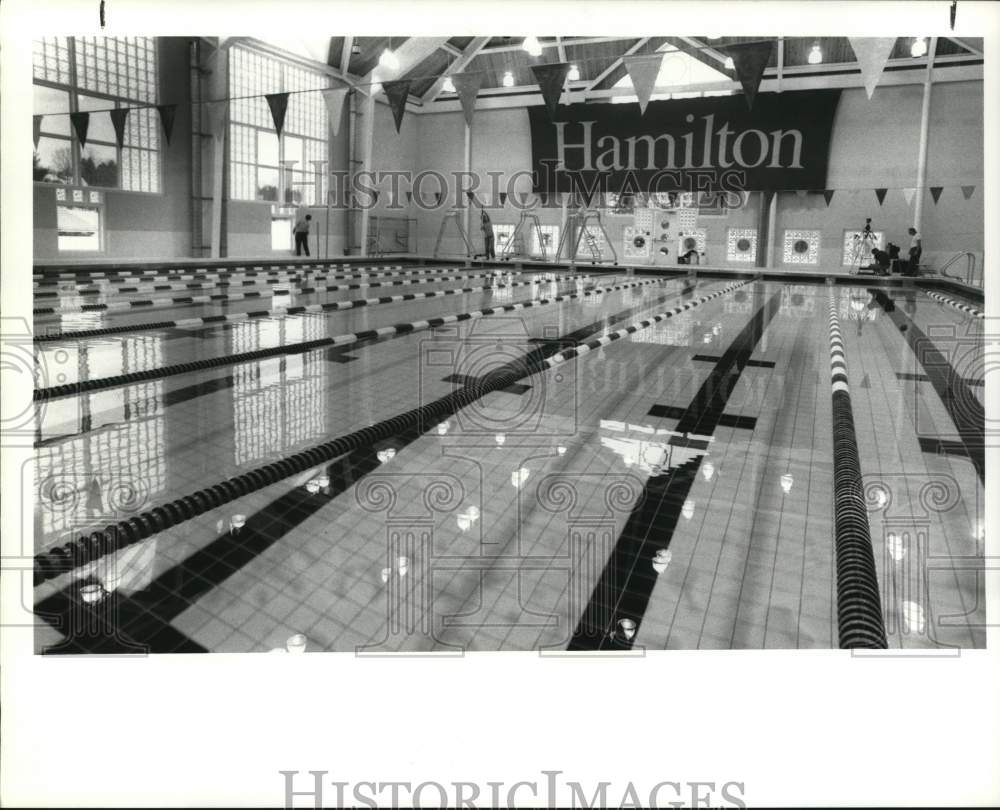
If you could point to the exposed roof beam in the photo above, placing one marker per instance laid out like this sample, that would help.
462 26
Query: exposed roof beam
709 57
554 44
410 54
909 61
466 56
345 54
562 49
262 45
701 47
528 95
967 43
616 64
781 61
451 49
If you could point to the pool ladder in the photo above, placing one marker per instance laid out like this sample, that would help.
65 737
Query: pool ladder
970 267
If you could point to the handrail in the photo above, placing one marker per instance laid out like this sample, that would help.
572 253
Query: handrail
970 266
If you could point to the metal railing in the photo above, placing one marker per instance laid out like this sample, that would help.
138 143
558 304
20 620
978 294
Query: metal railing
970 268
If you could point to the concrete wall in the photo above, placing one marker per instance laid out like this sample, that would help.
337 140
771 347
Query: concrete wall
875 144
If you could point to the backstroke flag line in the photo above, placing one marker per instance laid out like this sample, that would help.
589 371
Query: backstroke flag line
467 86
551 79
278 102
118 117
397 93
334 98
872 54
643 71
167 113
749 61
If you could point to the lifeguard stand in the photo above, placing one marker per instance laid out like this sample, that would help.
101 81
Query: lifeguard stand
517 238
453 215
579 221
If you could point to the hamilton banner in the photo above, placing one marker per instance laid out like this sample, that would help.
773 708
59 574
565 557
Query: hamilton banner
698 144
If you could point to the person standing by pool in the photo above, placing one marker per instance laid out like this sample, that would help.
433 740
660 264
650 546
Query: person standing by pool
301 231
916 249
487 227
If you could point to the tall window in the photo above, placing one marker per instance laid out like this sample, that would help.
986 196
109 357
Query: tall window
96 75
289 170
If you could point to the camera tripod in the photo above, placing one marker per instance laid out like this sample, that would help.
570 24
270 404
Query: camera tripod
864 243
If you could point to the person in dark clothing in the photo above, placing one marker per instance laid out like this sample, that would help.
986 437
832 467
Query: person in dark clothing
487 227
302 235
880 262
912 264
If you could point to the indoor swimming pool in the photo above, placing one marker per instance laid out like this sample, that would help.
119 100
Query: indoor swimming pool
407 459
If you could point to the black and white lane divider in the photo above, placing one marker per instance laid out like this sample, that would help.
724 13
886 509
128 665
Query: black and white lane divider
859 601
138 274
583 348
951 302
87 548
232 279
71 389
277 280
331 306
190 300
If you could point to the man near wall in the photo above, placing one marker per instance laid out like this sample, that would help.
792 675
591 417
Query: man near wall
916 248
301 231
487 226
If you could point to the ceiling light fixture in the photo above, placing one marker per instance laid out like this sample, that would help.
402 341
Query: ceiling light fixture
574 73
919 47
532 46
729 65
815 55
449 85
356 49
508 79
388 59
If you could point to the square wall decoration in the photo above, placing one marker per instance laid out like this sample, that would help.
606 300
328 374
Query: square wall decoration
741 245
691 239
801 247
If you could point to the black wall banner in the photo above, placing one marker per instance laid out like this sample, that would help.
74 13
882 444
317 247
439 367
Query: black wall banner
698 144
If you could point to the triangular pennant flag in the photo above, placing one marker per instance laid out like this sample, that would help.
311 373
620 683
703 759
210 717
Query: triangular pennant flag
909 194
278 102
409 196
503 198
967 191
749 61
551 79
828 195
467 86
643 70
81 122
334 98
118 117
865 382
397 93
936 193
880 194
167 113
37 130
217 117
872 53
